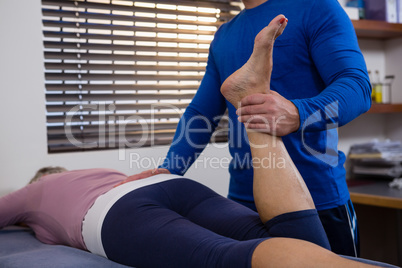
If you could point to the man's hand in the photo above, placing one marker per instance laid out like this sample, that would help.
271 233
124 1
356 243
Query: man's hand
144 174
269 113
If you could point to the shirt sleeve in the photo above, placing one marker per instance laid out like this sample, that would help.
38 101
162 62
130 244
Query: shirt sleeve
336 54
12 208
198 122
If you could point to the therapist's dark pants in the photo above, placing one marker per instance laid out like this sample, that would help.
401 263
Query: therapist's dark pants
341 227
181 223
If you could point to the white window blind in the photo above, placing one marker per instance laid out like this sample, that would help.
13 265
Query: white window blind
120 73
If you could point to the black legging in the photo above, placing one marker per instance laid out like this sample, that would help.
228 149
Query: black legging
181 223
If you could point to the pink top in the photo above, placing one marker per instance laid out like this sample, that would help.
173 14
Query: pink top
55 206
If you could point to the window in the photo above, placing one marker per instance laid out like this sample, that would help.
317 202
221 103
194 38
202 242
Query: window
121 73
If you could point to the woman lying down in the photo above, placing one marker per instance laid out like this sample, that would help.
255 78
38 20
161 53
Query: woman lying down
170 221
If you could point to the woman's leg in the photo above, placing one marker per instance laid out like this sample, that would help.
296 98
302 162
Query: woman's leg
180 223
277 191
206 208
287 252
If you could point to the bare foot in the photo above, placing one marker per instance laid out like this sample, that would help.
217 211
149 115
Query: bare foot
255 75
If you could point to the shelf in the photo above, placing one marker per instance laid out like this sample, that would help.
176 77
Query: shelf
377 29
379 108
376 193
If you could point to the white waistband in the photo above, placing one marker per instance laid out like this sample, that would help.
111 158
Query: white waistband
93 220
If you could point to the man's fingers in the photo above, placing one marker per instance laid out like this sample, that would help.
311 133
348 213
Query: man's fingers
253 99
258 98
162 171
258 104
252 110
260 118
137 177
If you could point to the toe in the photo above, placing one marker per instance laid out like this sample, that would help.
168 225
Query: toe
275 28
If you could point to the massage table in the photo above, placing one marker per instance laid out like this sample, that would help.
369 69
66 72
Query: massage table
20 249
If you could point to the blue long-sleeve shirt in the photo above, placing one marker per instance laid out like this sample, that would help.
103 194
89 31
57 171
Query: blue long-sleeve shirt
317 65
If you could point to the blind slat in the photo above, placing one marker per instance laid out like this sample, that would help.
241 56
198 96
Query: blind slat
112 128
116 37
91 46
108 87
118 57
62 140
158 138
108 27
121 107
119 77
114 116
116 97
122 67
113 17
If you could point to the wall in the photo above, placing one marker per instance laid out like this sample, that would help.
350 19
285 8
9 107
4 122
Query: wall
374 53
23 122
